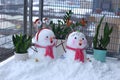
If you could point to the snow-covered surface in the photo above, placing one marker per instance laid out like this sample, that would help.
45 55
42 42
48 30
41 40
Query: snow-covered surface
60 69
4 16
6 24
108 14
82 11
6 41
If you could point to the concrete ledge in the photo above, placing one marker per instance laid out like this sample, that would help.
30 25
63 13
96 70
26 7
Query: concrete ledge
6 61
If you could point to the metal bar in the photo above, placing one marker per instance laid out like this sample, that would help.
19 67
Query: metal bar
25 16
30 16
40 9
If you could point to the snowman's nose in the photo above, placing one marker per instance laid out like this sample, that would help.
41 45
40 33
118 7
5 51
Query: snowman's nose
80 42
51 39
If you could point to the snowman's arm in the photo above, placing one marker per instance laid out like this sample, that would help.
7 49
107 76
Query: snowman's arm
85 56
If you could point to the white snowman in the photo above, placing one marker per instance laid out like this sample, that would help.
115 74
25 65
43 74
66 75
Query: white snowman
45 44
75 47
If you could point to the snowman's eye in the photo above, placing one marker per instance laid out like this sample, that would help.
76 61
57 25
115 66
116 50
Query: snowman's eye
38 22
82 38
46 36
75 38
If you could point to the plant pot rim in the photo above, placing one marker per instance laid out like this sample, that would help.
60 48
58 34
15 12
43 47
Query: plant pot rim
100 49
20 53
60 39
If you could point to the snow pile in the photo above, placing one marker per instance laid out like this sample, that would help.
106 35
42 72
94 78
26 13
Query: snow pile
60 69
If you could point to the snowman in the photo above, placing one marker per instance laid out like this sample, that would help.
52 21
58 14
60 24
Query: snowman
45 44
75 47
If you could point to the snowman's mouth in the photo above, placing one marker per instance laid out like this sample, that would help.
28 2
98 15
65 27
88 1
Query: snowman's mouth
51 41
80 44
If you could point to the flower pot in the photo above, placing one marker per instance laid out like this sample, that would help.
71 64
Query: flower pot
100 55
21 57
60 48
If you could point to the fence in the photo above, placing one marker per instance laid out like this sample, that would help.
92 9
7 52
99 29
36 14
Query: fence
11 22
11 19
92 11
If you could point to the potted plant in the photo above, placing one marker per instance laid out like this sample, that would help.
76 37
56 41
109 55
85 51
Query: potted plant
100 42
63 28
21 44
61 32
59 29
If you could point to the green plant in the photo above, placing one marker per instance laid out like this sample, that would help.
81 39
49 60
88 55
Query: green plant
21 43
60 30
63 28
67 16
69 23
101 42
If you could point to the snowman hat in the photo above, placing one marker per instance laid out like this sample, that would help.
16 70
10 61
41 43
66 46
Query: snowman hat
37 34
37 21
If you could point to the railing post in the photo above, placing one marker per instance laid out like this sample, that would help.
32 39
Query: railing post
25 17
30 16
40 9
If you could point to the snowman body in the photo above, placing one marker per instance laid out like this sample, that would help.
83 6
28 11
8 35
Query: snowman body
45 38
76 42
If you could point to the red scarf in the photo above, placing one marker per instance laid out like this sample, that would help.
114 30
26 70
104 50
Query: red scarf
49 50
79 55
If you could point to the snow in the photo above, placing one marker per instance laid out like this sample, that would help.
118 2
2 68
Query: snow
60 69
6 41
6 24
9 17
108 14
82 11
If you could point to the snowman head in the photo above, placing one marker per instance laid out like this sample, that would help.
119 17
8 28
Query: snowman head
77 40
45 37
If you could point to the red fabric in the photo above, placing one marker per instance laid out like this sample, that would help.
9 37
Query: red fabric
79 55
37 35
36 21
49 50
